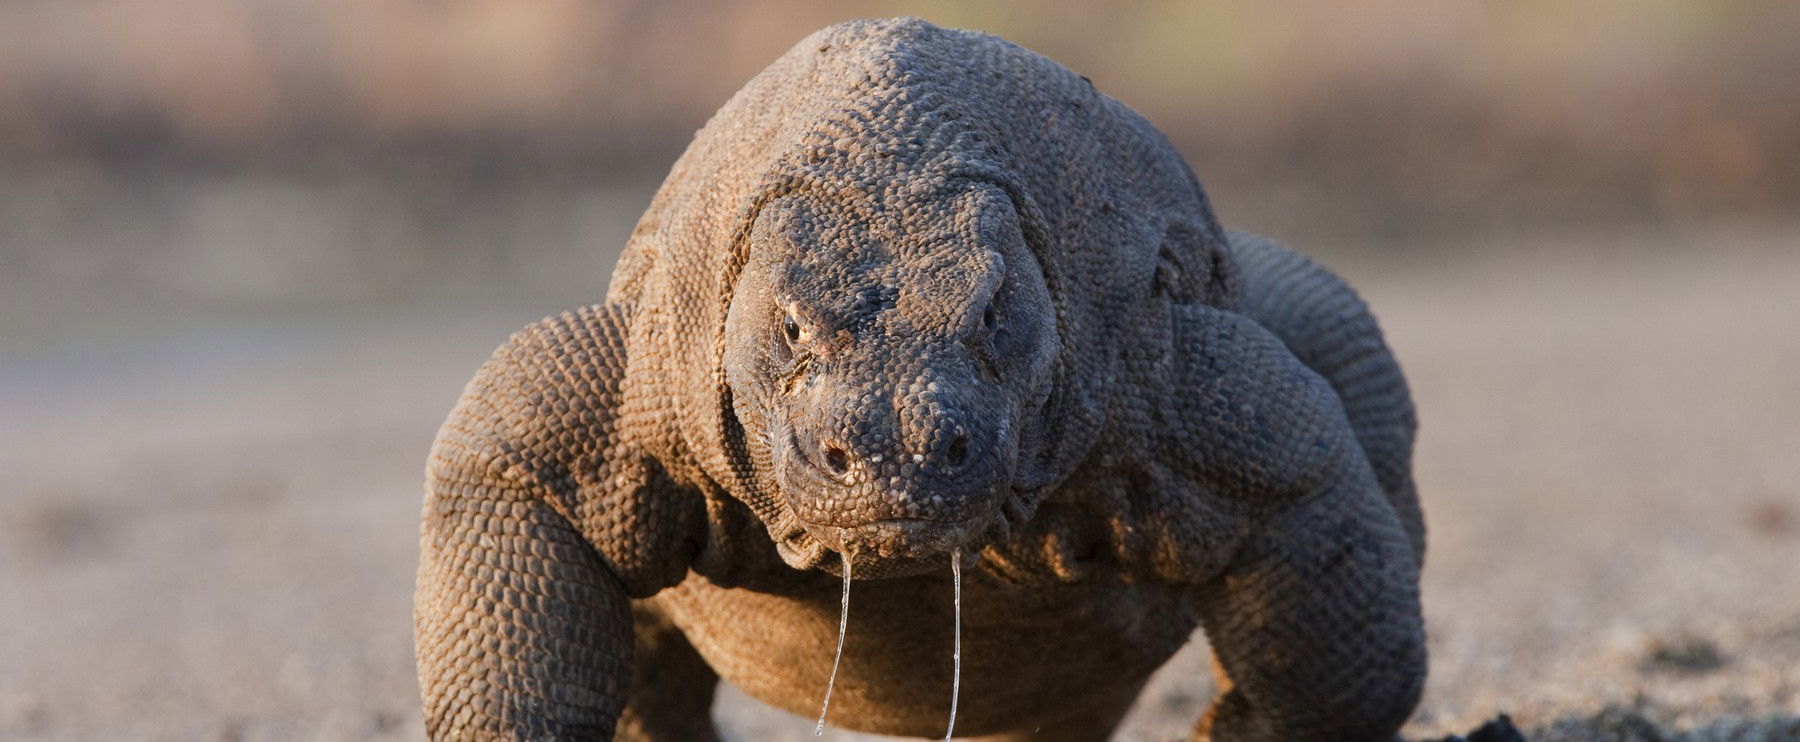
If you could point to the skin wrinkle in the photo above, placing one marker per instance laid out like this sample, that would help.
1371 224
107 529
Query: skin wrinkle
1164 426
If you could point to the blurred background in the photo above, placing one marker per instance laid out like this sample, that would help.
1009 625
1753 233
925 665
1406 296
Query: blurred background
251 249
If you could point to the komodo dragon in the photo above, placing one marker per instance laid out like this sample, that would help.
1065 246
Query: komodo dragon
914 296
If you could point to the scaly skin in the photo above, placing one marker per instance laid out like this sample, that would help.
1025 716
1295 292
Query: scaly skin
915 291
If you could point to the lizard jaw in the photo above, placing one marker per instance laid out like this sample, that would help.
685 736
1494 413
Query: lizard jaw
900 537
892 547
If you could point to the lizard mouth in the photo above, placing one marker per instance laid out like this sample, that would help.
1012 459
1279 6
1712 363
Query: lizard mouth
894 547
899 537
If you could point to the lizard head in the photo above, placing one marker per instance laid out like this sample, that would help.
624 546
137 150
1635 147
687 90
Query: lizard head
884 348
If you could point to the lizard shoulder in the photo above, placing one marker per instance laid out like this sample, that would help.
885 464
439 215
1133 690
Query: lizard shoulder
547 417
1242 417
1225 428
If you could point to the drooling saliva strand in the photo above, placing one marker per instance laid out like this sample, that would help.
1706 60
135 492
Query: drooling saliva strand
956 640
843 623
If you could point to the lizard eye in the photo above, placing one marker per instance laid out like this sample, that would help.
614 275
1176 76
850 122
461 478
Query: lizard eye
989 319
791 329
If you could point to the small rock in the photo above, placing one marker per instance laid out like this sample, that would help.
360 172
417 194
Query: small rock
1773 519
22 711
56 527
383 722
1612 724
1498 730
1685 654
1501 729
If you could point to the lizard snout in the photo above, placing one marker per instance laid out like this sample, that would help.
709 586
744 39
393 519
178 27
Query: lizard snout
934 448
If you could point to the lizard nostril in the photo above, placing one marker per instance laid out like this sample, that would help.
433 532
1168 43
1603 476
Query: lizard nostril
836 459
959 451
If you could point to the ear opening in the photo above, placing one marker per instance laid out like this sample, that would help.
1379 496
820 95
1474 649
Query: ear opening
1192 269
1224 283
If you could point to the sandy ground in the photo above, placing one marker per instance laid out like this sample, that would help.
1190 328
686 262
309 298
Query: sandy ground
208 527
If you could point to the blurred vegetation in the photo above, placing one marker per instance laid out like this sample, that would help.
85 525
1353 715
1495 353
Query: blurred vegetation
274 148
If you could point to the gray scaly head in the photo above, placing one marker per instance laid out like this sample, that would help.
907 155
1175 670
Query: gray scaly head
884 317
888 337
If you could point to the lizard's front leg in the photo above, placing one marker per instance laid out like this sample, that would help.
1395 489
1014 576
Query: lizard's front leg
1315 617
1317 627
541 520
672 687
522 632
